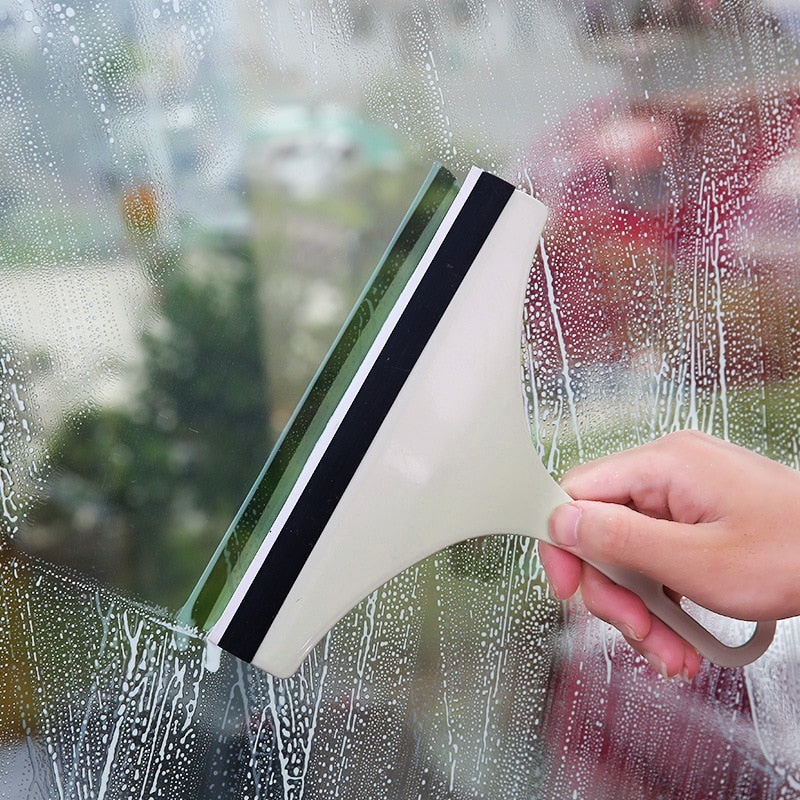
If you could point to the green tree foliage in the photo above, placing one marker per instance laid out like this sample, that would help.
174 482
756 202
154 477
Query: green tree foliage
140 496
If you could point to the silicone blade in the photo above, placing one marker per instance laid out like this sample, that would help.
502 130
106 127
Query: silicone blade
256 517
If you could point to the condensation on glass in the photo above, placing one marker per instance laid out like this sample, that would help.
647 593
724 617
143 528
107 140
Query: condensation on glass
192 194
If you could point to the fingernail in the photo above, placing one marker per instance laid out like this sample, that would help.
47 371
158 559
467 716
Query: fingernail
558 595
685 676
627 631
564 525
657 664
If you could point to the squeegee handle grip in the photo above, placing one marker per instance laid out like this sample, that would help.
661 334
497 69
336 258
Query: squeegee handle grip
671 613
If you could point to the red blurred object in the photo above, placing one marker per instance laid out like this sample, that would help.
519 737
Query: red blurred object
616 729
664 235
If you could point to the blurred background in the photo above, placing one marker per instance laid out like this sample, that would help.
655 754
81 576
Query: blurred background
192 195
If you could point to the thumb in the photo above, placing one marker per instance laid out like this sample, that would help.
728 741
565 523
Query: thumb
609 533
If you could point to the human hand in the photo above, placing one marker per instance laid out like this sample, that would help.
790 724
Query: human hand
712 521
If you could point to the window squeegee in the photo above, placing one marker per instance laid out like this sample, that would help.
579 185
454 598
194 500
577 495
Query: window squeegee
412 436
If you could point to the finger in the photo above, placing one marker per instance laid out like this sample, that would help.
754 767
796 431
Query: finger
675 554
619 477
618 606
668 653
646 477
691 663
562 568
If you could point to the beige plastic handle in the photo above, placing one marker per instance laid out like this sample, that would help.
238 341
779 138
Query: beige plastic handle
671 613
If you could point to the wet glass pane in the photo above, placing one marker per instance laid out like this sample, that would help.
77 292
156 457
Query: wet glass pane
192 196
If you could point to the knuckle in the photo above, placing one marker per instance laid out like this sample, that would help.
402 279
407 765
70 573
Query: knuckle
599 596
595 605
678 441
613 536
